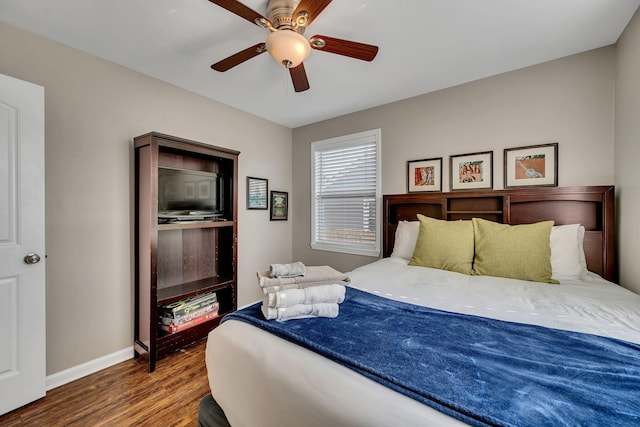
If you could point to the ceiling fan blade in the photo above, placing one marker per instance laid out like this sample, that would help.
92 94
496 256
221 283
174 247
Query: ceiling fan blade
239 57
365 52
299 78
243 11
312 8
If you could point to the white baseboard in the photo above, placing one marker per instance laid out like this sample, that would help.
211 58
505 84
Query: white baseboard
87 368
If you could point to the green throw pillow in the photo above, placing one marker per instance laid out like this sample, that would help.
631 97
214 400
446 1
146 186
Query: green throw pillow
514 251
446 245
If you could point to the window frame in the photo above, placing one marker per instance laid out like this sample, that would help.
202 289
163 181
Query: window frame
341 142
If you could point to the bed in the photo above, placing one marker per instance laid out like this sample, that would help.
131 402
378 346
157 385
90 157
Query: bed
260 379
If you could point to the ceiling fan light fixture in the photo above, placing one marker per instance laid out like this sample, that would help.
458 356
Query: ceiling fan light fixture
288 47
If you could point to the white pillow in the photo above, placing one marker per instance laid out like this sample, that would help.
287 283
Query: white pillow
583 257
567 251
406 237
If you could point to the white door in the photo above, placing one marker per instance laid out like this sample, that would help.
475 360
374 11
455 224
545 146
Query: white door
22 274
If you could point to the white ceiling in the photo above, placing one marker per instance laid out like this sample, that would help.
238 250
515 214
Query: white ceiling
425 45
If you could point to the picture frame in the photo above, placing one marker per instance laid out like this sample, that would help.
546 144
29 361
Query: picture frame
279 206
257 190
531 166
424 175
472 171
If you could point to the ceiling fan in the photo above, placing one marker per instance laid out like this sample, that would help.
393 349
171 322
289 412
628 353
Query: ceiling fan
286 20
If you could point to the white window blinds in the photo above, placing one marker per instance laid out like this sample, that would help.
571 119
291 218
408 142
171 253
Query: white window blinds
345 194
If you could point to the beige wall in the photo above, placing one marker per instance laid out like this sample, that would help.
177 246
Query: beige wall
627 154
569 101
93 110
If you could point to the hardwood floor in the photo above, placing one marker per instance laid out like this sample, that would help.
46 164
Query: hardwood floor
125 395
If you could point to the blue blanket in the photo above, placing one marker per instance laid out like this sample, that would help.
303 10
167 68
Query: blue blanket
478 370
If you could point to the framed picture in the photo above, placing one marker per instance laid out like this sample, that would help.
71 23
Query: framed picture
473 171
279 206
257 189
532 166
424 175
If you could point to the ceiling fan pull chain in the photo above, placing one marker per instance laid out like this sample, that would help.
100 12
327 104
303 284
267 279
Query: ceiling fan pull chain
285 81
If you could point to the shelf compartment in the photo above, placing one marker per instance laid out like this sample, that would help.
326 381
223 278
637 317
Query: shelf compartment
475 204
191 254
185 290
168 343
409 212
466 208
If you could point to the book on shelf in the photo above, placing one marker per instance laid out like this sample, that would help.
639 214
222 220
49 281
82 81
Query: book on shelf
215 306
172 329
187 305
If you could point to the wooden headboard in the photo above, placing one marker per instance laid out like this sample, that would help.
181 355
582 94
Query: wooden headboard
593 207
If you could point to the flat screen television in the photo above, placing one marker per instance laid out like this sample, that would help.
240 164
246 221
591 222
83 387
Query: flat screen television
188 195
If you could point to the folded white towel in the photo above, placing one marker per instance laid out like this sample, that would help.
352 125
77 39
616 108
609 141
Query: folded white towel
273 289
333 293
287 270
301 311
315 274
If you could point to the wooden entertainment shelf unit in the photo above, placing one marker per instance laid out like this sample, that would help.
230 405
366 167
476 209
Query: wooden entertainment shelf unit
182 258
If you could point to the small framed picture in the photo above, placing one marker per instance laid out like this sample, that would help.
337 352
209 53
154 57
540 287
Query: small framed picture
532 166
279 206
473 171
424 175
257 190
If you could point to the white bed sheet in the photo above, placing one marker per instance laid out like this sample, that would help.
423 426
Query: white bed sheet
259 379
589 304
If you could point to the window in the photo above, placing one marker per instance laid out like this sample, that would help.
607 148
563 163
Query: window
345 174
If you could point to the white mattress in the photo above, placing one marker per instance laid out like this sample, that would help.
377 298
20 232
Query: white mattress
261 380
